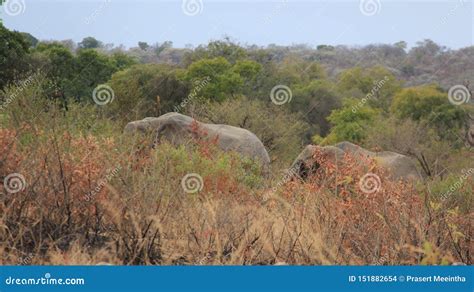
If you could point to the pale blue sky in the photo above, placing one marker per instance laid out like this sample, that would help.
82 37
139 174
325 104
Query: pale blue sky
449 23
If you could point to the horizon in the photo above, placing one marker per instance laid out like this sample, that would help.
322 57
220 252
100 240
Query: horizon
282 23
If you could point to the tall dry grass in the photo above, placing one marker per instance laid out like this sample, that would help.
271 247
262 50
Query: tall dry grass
91 200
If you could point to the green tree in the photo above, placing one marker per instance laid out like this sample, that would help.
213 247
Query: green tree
293 71
225 79
32 41
325 48
376 84
59 68
159 48
146 90
350 123
90 43
60 60
13 50
91 69
431 105
225 48
401 44
316 100
143 45
122 60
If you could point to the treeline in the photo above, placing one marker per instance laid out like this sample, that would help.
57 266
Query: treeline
288 96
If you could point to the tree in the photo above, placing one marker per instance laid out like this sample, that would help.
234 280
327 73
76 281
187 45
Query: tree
77 75
376 84
58 68
248 72
325 48
91 69
426 49
122 60
225 48
143 45
293 71
13 50
61 60
429 104
225 79
159 48
90 43
146 90
401 45
32 41
350 124
316 99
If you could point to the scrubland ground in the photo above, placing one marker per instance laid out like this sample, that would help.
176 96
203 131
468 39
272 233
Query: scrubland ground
84 193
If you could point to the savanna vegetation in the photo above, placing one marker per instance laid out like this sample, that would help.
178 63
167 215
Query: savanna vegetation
85 193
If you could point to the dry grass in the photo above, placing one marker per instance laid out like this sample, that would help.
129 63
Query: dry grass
90 201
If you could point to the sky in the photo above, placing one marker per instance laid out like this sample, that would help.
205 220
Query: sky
263 22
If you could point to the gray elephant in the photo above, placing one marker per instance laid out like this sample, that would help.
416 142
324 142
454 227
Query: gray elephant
178 129
399 166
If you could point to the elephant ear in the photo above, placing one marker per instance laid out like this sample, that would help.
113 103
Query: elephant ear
172 132
470 135
304 169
